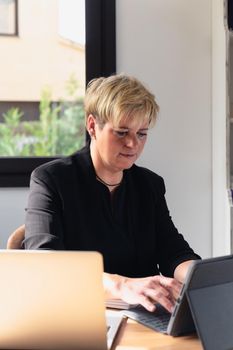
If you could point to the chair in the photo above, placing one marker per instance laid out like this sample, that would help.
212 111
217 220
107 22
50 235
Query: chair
16 238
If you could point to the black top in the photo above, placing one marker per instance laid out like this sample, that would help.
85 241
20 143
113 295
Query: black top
69 209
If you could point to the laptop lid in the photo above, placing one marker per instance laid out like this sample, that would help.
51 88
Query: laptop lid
52 300
210 296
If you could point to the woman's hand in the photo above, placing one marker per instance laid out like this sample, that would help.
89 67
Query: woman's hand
145 291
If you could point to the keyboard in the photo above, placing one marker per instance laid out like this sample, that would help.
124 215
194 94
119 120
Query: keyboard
157 320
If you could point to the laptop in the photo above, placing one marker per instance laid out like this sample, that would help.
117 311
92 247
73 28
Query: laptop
53 300
205 305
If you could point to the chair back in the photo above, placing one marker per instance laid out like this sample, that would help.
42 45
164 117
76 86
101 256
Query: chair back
16 238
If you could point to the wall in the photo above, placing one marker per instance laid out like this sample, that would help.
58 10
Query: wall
12 204
167 44
221 234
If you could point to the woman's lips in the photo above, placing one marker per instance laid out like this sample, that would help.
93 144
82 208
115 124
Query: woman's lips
128 155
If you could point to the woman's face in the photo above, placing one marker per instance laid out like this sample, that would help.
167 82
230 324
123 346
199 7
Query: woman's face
118 148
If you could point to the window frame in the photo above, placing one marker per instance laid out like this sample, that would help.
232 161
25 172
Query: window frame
100 45
16 31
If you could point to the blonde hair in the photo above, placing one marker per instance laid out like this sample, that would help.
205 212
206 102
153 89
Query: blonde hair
119 96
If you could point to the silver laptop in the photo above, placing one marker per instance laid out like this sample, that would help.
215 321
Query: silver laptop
53 300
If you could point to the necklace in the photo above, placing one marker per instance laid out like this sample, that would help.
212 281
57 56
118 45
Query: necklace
106 184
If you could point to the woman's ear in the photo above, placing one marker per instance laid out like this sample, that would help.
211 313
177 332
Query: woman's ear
91 122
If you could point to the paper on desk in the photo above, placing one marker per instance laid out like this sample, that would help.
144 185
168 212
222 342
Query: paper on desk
118 304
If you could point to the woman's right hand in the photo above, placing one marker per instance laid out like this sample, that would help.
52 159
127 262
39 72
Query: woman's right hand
146 291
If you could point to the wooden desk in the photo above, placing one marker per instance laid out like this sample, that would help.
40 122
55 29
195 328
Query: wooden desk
133 335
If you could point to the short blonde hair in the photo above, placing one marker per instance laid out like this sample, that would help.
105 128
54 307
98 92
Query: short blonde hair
119 96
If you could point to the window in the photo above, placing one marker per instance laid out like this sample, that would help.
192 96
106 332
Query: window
99 40
8 17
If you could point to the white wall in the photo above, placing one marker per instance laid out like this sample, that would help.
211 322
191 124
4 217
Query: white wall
12 204
221 234
167 44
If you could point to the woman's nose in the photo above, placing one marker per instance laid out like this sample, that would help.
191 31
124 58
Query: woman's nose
131 140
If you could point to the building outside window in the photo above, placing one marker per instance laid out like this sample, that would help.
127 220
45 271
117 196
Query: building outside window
42 74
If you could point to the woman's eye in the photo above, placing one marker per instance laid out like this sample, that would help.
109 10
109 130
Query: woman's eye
141 135
120 134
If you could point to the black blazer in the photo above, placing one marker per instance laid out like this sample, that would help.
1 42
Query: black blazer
69 209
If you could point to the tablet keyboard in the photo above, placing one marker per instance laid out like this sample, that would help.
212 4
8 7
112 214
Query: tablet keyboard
157 320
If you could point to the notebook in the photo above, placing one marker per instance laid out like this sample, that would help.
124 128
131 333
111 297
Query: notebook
205 305
53 300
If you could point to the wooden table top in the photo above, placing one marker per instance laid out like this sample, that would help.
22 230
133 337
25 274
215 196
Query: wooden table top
133 335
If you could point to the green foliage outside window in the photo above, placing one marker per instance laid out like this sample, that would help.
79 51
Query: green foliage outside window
60 129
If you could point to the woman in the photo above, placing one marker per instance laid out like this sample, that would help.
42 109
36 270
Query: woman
98 199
